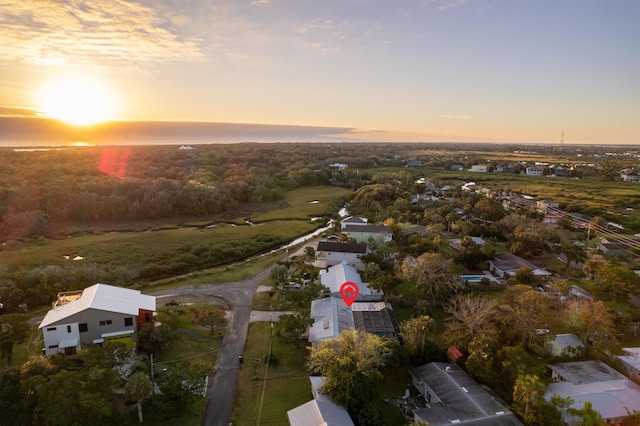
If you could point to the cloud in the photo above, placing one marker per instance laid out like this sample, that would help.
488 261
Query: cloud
455 116
441 5
49 32
9 111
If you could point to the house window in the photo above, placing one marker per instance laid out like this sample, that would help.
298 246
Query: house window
53 346
128 322
51 329
83 327
147 317
105 322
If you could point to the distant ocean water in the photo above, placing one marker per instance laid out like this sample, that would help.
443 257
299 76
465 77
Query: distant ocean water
21 132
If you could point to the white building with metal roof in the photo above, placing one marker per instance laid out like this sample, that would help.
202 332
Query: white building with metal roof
95 315
610 393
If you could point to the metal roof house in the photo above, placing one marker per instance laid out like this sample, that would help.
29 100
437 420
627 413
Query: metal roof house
97 314
333 253
334 276
362 234
568 345
507 265
321 411
452 397
610 393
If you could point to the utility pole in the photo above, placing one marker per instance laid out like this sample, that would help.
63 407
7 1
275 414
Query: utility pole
152 383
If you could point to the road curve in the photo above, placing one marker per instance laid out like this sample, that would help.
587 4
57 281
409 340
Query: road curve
222 384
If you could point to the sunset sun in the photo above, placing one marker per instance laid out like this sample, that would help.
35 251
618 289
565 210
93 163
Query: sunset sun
77 100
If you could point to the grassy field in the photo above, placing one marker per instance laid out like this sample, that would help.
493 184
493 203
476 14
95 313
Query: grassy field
303 204
264 395
133 249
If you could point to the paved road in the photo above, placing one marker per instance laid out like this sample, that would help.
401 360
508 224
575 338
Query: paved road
222 385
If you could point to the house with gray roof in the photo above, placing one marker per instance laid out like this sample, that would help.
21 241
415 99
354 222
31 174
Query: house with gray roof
609 392
334 276
506 265
631 363
320 411
362 234
566 345
96 315
353 220
452 397
330 253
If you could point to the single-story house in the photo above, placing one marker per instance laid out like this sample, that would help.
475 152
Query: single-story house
331 316
610 393
504 168
320 411
353 220
95 315
506 265
566 345
413 164
456 243
334 276
482 168
631 363
580 220
534 171
362 234
457 167
452 397
333 253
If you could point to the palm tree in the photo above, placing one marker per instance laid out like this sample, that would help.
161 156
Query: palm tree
138 387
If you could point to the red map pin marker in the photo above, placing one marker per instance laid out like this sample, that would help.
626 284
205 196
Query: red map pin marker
349 292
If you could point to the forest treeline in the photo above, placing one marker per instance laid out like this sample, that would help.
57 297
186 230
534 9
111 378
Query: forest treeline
113 183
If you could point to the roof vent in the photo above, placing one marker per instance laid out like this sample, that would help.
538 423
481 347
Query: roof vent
447 369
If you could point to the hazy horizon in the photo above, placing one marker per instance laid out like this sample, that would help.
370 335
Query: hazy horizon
415 71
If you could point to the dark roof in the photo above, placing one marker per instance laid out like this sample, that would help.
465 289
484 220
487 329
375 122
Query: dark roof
369 228
455 396
375 318
342 247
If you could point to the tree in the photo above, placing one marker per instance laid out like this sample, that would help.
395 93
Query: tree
589 416
470 316
350 367
574 253
291 327
434 275
386 283
531 313
589 319
616 282
180 383
280 275
489 209
14 329
152 338
137 388
77 397
213 319
414 333
528 392
482 357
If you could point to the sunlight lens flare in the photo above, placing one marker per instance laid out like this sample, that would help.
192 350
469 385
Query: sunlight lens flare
77 100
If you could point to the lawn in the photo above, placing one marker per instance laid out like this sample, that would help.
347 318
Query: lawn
265 394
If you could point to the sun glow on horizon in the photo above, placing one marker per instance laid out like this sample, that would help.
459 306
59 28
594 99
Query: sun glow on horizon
77 100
